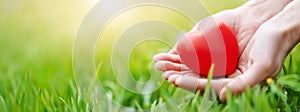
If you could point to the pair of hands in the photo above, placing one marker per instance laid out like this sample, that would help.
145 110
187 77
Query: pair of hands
267 30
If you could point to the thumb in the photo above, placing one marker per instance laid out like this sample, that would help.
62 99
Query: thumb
254 75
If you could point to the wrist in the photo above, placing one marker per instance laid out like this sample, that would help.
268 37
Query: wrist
286 35
278 38
287 22
261 10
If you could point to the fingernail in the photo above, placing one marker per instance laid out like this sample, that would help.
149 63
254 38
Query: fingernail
222 95
154 58
178 81
164 76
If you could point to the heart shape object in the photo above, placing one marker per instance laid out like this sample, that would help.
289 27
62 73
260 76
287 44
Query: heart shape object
213 43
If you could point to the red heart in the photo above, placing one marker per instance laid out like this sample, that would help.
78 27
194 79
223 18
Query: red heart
214 43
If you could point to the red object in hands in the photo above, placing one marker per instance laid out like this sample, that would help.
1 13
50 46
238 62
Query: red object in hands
213 43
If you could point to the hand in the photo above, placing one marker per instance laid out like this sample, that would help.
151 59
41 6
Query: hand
241 20
265 53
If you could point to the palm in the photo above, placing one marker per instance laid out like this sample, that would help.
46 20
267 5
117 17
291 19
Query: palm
174 69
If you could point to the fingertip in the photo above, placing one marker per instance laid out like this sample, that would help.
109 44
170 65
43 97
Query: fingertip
173 78
164 76
223 94
167 74
235 74
236 86
178 81
158 65
157 57
187 82
154 57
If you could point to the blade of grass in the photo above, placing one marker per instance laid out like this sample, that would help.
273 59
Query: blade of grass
206 103
291 81
62 100
291 64
3 104
138 106
285 71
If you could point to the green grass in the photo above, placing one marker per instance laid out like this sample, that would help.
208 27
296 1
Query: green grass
20 93
36 73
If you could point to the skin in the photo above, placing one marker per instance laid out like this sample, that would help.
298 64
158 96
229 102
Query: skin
265 34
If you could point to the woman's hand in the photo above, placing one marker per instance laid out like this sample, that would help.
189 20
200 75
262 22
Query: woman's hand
245 21
265 53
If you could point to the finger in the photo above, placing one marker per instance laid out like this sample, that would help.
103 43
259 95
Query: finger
192 74
173 77
167 57
243 63
254 75
167 65
187 82
235 74
167 74
193 84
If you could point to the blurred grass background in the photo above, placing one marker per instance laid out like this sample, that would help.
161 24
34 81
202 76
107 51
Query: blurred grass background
36 40
37 36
